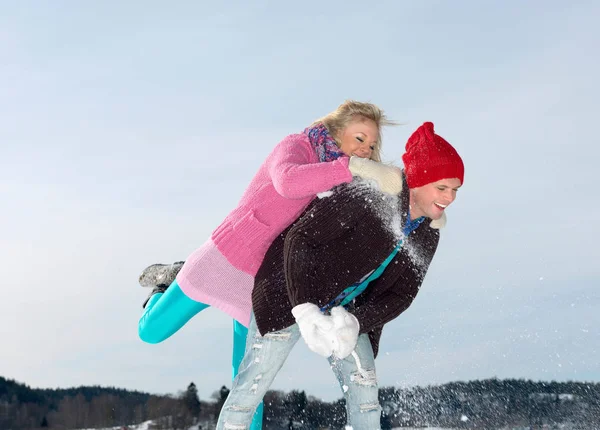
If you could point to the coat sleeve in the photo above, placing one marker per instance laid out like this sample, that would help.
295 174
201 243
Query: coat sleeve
295 175
373 314
326 220
394 291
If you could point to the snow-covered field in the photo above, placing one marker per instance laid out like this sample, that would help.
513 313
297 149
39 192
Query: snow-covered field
148 426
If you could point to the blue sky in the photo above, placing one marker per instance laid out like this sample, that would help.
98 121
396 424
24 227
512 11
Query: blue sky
128 130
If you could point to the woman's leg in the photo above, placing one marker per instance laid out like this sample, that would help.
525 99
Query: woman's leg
263 358
356 375
240 334
165 313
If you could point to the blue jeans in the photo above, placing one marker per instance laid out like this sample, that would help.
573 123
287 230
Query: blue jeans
167 312
264 357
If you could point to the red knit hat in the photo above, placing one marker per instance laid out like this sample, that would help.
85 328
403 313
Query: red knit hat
429 158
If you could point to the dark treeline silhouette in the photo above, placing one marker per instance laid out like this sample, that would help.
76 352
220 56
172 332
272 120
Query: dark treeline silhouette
22 407
485 404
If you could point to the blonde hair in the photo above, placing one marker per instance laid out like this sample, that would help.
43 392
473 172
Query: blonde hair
352 111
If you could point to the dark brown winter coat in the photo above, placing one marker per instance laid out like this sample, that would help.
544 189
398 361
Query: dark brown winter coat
339 239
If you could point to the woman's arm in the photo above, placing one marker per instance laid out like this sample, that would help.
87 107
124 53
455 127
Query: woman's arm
296 176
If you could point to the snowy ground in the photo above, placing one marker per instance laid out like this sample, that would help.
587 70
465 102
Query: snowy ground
143 426
421 428
147 426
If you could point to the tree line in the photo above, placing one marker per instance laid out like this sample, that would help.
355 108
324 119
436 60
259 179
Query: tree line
488 403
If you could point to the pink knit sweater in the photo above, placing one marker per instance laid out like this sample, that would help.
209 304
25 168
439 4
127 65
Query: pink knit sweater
285 184
221 272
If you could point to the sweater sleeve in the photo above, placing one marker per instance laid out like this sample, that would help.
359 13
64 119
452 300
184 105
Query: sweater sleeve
296 176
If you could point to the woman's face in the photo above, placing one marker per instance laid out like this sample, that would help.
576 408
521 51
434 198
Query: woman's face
359 138
431 200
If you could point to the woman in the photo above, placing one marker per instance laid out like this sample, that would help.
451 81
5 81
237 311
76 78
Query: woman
221 272
379 246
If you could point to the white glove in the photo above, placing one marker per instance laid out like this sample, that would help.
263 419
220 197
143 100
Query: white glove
315 327
389 178
346 329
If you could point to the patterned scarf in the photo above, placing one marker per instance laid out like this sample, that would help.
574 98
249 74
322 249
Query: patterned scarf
323 144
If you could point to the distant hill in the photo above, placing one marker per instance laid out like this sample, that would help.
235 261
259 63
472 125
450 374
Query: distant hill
489 404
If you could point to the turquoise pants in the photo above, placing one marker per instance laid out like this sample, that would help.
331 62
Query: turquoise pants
167 312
